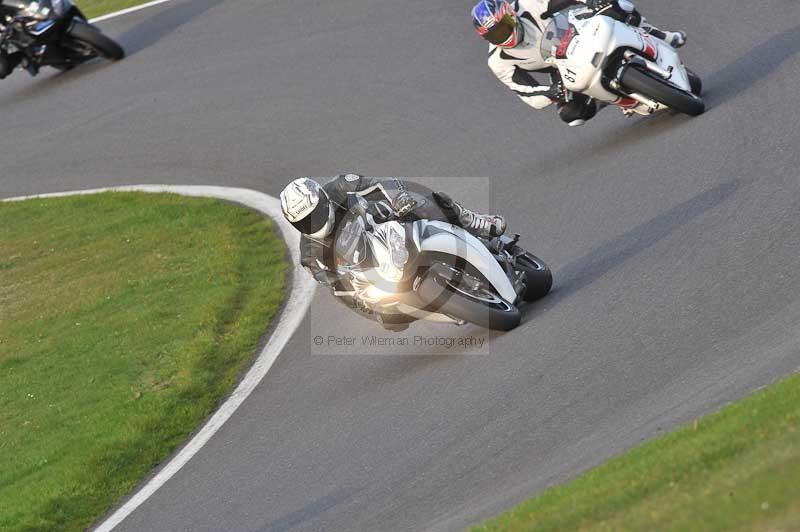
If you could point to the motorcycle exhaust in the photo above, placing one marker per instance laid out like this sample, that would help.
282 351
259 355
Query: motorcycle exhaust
651 104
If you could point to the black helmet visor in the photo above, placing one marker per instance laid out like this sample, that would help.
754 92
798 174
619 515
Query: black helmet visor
315 221
502 30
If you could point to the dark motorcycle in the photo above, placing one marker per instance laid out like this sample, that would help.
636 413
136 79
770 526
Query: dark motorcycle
49 33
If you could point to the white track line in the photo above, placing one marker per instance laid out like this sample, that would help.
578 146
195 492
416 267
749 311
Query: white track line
294 310
129 10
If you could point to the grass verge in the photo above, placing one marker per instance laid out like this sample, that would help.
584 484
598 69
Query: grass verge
124 319
95 8
738 469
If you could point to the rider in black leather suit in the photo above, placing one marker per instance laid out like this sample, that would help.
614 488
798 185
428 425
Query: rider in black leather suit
317 210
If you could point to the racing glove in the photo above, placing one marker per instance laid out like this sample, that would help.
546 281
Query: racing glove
403 204
621 5
556 92
597 5
554 6
326 277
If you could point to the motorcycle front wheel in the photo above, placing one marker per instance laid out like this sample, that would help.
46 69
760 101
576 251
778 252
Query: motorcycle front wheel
695 82
478 305
538 278
663 92
92 37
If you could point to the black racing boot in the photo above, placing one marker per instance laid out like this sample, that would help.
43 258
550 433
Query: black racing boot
578 110
483 225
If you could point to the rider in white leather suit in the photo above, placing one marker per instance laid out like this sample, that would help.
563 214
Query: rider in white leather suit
514 29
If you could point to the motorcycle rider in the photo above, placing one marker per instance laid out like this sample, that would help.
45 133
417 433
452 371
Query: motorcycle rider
316 210
514 29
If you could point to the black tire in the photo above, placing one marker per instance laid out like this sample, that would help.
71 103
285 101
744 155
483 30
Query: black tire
663 92
440 296
538 277
695 82
94 38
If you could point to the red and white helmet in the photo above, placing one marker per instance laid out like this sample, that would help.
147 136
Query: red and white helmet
497 22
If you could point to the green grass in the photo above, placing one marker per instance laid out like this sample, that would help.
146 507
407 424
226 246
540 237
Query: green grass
124 319
738 469
95 8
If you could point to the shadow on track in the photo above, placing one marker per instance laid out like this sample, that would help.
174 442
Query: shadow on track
310 511
613 141
758 63
50 80
151 30
591 267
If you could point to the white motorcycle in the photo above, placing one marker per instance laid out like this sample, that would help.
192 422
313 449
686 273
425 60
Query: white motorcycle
619 64
435 271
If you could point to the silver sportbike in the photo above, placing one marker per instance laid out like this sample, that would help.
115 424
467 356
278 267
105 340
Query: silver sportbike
436 271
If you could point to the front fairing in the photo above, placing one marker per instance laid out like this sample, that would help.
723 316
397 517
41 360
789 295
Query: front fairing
444 239
351 251
378 260
578 46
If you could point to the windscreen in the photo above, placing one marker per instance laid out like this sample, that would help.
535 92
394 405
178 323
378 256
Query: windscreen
352 251
557 36
42 7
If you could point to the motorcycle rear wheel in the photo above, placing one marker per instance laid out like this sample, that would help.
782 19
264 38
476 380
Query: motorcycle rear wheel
96 40
661 91
481 307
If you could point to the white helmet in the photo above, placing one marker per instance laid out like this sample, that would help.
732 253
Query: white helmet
306 206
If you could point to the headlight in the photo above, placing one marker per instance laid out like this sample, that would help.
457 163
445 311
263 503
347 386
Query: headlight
38 11
397 248
388 243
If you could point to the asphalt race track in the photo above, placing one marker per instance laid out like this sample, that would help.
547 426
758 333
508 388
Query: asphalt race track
674 242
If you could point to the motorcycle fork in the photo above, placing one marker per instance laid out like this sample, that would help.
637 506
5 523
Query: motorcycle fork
506 252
